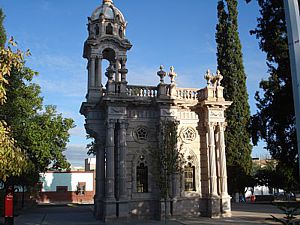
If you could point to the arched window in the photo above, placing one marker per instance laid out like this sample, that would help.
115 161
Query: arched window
142 178
121 32
189 178
109 29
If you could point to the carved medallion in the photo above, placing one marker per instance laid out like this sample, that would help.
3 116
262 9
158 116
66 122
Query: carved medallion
188 134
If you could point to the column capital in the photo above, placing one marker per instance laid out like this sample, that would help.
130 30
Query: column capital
210 125
123 124
110 123
222 125
93 57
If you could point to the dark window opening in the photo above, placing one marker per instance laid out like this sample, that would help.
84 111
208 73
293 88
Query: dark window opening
142 178
121 33
189 178
97 30
81 188
109 29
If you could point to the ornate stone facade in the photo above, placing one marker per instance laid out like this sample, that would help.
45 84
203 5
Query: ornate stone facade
124 121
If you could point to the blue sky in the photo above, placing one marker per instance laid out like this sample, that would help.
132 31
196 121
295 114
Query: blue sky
168 32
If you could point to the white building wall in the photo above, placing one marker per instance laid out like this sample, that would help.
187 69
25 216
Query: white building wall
51 180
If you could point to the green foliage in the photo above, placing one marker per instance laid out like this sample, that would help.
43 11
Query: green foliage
230 64
168 160
40 131
290 212
2 30
13 160
274 121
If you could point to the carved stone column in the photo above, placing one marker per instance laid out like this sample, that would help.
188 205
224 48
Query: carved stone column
225 198
99 73
223 170
118 76
213 208
122 167
110 162
123 71
212 160
92 72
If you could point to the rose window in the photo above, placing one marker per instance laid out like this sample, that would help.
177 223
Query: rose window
188 134
141 134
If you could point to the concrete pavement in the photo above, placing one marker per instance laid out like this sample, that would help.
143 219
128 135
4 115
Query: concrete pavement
248 214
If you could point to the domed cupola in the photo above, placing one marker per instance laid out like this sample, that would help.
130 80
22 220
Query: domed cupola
106 41
107 20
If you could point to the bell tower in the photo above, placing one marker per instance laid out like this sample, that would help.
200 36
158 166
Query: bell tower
106 41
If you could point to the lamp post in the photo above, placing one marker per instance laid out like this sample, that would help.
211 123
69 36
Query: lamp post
293 29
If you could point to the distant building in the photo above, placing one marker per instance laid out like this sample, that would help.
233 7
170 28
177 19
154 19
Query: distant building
90 164
67 187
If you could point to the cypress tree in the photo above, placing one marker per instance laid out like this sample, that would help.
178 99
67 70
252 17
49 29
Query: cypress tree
274 121
230 64
2 30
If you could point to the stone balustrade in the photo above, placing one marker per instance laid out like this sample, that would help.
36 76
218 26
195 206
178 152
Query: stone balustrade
186 93
142 91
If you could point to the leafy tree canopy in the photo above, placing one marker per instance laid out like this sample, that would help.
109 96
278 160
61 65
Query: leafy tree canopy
274 120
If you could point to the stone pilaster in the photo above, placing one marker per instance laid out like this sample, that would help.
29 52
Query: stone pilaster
123 151
110 162
100 181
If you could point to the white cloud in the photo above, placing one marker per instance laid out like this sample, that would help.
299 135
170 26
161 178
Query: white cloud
76 154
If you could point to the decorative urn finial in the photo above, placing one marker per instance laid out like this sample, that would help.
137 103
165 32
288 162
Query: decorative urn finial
209 77
107 1
161 73
219 78
172 74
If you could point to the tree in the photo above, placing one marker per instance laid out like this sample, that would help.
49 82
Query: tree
230 64
13 160
40 131
2 30
274 121
168 160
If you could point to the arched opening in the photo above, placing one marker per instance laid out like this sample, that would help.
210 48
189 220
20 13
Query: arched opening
109 29
105 65
121 33
142 178
109 54
97 30
189 178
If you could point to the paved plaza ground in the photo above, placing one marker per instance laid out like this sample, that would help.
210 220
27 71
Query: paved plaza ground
247 214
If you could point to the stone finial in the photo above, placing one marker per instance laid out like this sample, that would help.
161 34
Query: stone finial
161 73
218 78
172 74
110 72
107 1
209 77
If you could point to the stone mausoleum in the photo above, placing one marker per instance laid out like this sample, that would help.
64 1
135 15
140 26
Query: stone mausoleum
125 121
